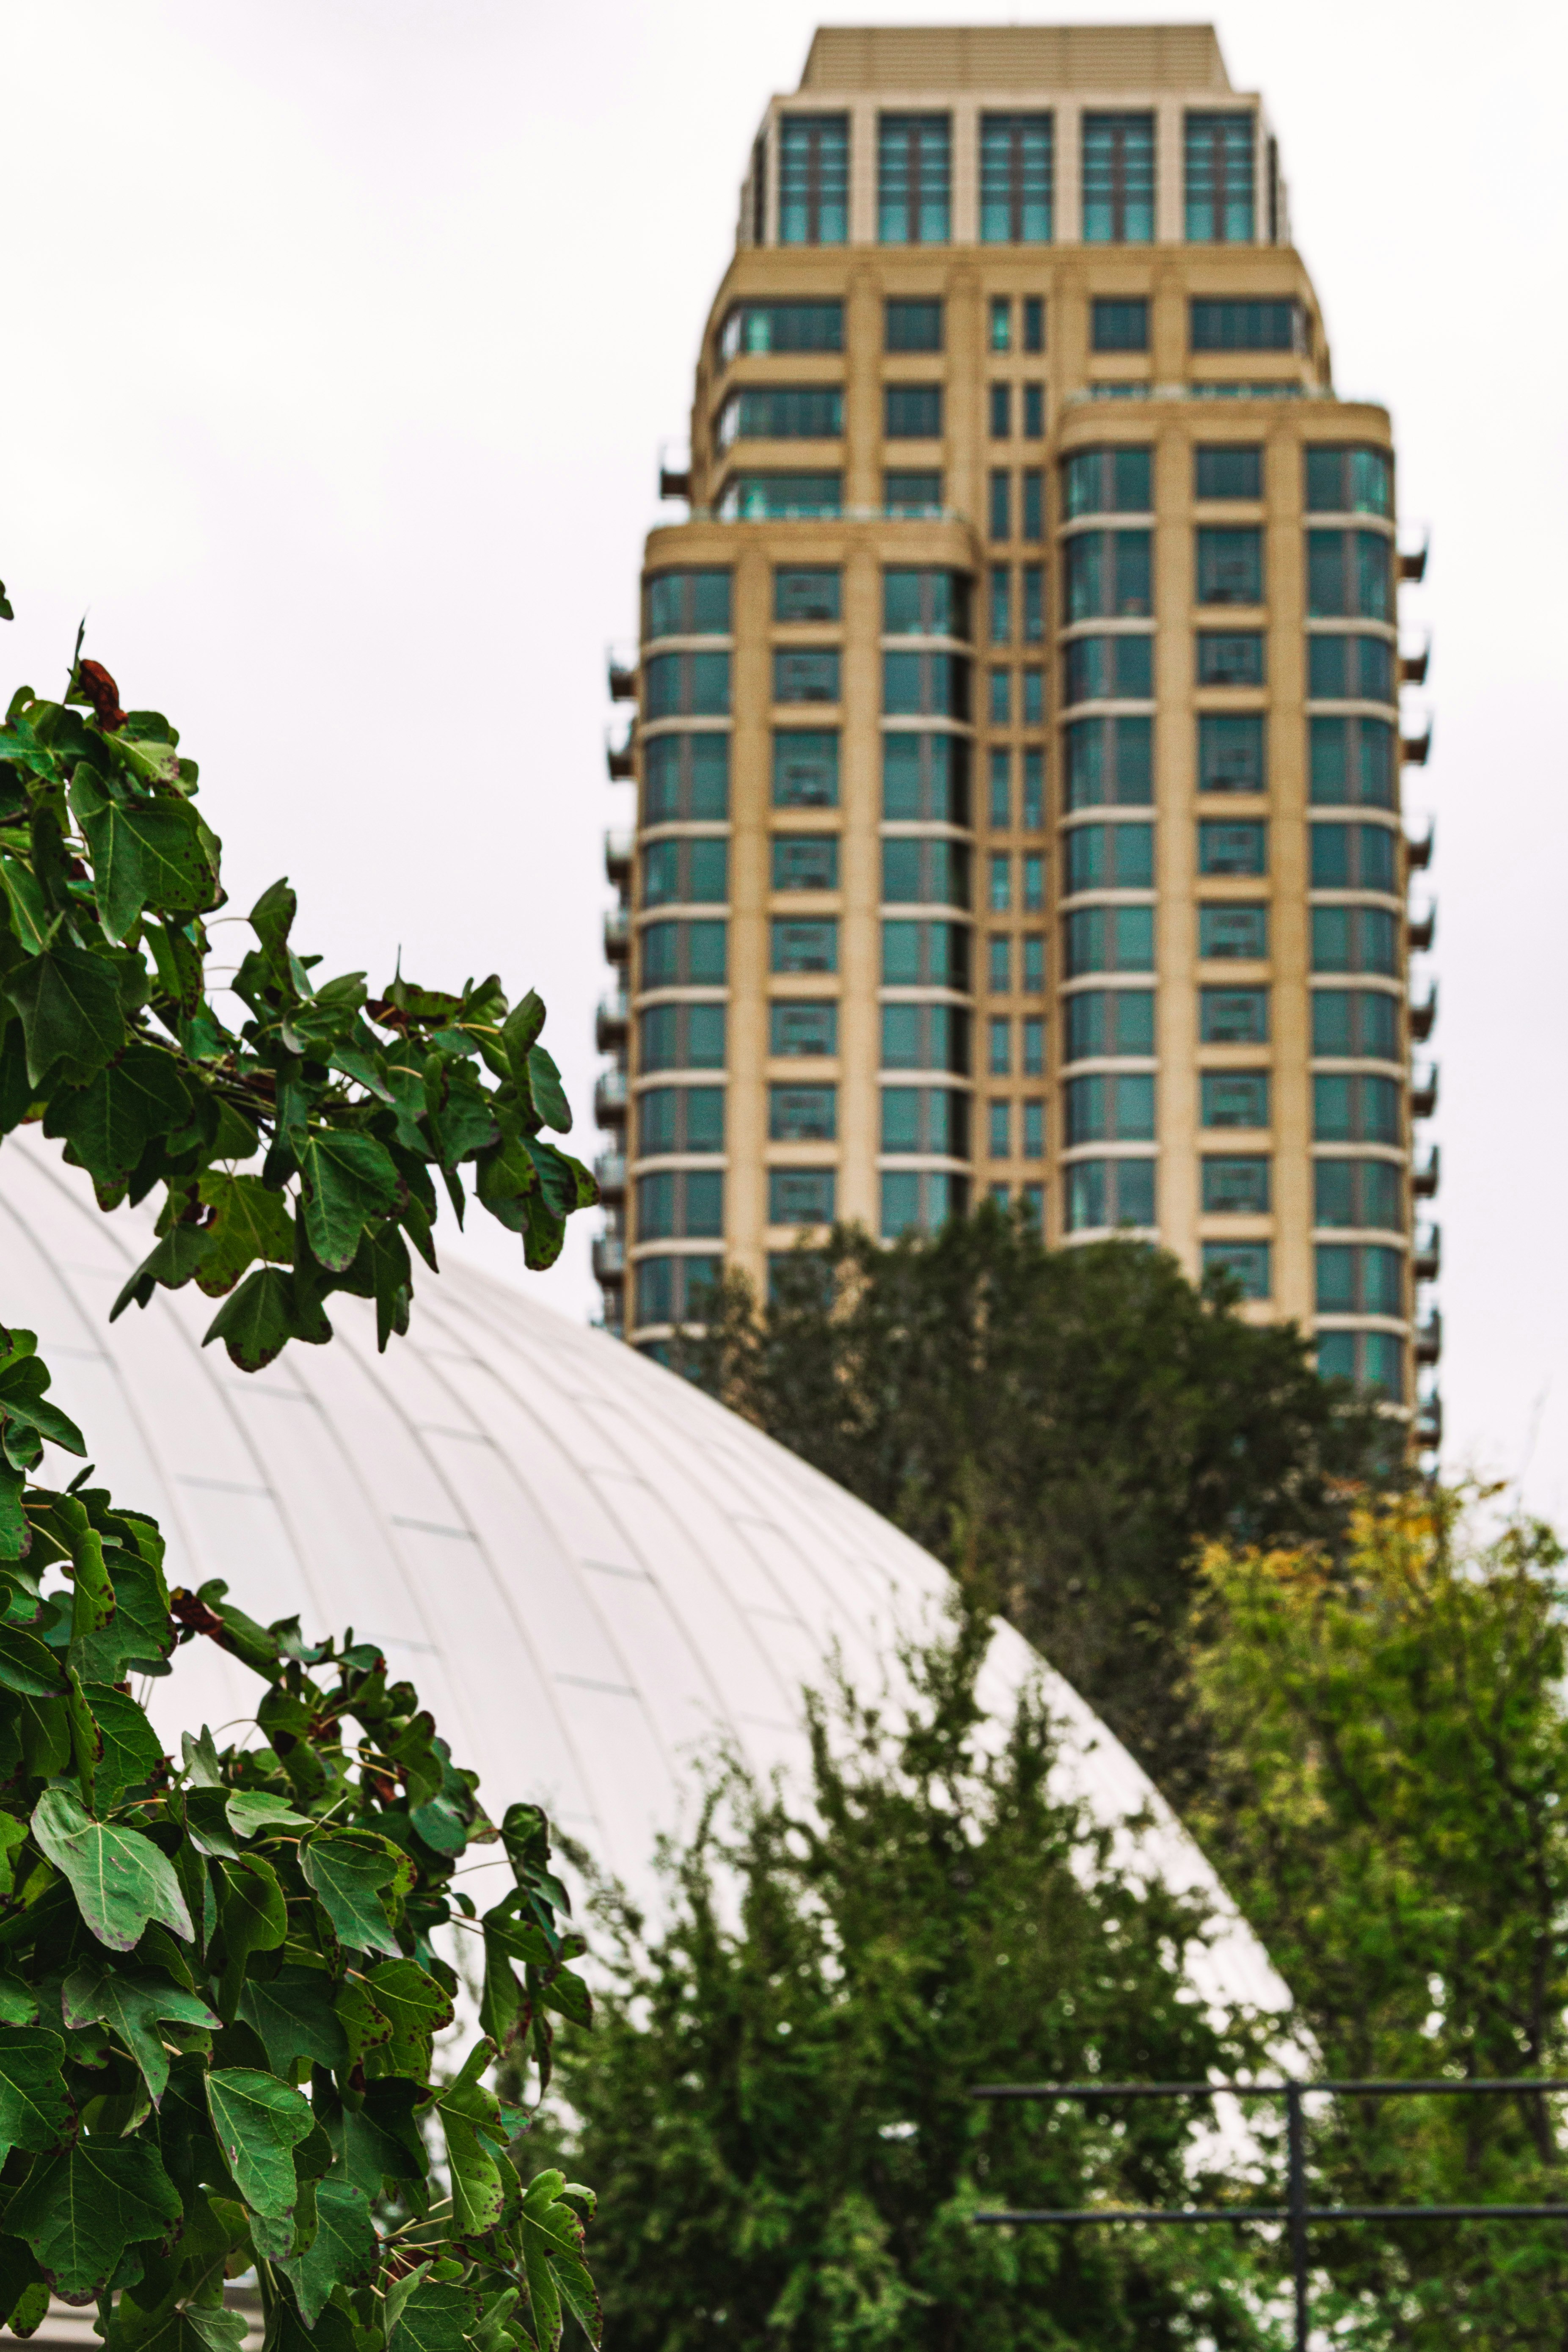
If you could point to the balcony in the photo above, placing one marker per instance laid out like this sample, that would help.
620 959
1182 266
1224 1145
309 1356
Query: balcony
1413 560
1417 750
1424 1091
1424 1016
609 1258
1412 667
610 1168
1421 930
675 482
1418 853
1427 1262
610 1022
618 935
1426 1428
618 757
620 843
610 1098
1428 1175
1430 1340
621 675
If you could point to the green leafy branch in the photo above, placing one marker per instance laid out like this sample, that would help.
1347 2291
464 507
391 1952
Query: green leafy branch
221 1977
299 1152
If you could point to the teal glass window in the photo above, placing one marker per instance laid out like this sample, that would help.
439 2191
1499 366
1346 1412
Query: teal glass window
1001 604
1033 946
1015 176
1358 1279
807 591
1104 1024
807 674
920 1200
780 498
755 327
1232 751
805 861
999 894
1001 315
805 768
925 778
1372 1359
1349 480
801 1196
1108 669
1108 1193
1368 1193
1108 575
1230 658
686 777
999 504
1352 857
999 1045
1118 179
679 1119
1227 469
1350 575
672 1289
1034 1030
1356 1107
999 703
1350 760
1033 483
1244 1263
1033 882
778 412
1245 326
1109 938
1109 763
1034 1130
1233 1016
674 954
1219 171
1235 1098
1355 939
681 1204
1119 325
999 964
913 176
1362 1023
1000 803
814 179
1230 564
925 1118
925 1037
1000 405
1110 1107
1236 1185
681 1037
923 603
687 604
680 685
925 955
1033 698
1109 858
925 870
913 412
1345 668
1108 481
1232 931
802 1114
1034 603
999 1130
1033 790
799 1027
1034 322
803 945
912 493
1225 846
925 686
1033 412
689 870
912 325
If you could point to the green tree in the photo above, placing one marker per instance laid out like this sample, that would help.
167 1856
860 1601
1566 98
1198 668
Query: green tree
773 2104
219 1986
1063 1428
1389 1804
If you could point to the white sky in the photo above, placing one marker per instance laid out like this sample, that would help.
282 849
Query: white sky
343 338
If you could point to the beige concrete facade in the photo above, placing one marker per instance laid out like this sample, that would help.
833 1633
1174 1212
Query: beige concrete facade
1322 912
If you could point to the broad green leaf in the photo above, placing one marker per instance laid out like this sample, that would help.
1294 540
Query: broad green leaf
348 1874
108 1123
549 1094
206 1823
130 1747
521 1027
252 1914
168 1265
68 999
140 1633
294 2016
348 1182
259 2121
416 2009
480 2178
142 852
552 2262
186 2328
79 2209
18 2002
377 2139
256 1321
557 1174
24 2290
29 912
248 1223
250 1811
343 2252
435 2316
29 1666
35 2111
120 1879
134 2007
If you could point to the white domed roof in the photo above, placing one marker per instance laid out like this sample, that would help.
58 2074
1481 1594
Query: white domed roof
587 1567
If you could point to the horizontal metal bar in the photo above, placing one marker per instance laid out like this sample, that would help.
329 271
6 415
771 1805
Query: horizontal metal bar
1376 2088
1282 2213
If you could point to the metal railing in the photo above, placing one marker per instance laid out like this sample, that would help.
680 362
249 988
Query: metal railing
1295 2212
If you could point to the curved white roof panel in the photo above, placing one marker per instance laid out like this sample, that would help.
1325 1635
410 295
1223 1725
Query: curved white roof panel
587 1567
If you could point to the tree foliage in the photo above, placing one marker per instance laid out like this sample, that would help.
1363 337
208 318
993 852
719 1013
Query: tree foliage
297 1154
1389 1803
220 1978
774 2104
1064 1429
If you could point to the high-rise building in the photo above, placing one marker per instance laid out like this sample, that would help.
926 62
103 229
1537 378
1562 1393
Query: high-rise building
1017 743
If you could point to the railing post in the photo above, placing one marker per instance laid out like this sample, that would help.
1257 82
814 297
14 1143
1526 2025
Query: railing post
1296 2200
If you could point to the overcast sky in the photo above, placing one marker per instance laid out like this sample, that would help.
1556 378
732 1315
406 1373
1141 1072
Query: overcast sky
341 339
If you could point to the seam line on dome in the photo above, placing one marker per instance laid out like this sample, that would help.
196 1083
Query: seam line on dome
587 1682
435 1528
220 1485
609 1568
